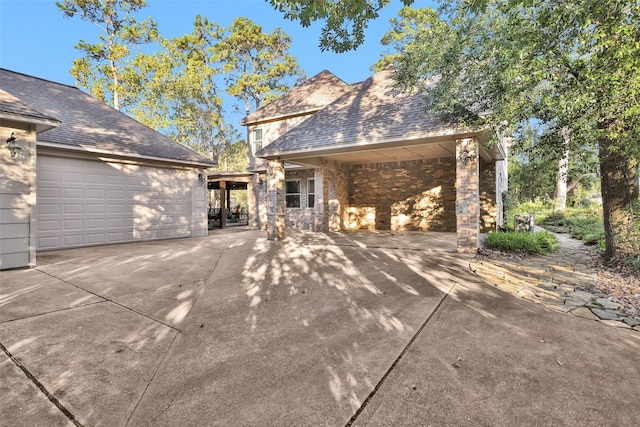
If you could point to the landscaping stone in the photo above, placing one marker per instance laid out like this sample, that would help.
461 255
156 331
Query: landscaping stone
631 321
609 305
585 313
564 282
605 314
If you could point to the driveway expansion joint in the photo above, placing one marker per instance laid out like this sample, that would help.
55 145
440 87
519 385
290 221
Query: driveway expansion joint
112 301
395 363
40 386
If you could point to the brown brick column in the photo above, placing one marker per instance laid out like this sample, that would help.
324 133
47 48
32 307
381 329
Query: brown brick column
275 199
467 195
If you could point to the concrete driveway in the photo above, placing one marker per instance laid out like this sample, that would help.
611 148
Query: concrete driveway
318 329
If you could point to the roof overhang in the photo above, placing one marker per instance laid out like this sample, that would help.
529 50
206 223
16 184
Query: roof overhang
119 156
433 145
230 176
42 124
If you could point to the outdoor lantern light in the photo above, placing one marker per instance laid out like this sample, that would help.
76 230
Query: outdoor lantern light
17 153
465 156
201 178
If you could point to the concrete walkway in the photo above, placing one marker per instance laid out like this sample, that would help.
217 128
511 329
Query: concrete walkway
560 281
318 329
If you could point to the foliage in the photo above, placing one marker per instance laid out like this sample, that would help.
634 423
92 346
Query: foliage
103 70
178 90
404 30
540 243
581 225
628 238
531 160
257 66
562 64
345 20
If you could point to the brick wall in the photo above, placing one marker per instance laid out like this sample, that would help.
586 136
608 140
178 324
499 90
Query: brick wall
417 195
488 206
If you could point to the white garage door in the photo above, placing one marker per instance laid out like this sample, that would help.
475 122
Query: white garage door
87 202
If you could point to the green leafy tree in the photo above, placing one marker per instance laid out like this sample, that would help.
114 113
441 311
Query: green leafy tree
181 85
345 20
401 38
179 93
103 69
257 65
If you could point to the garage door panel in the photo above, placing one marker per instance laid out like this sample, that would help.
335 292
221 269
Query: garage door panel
73 178
73 193
73 225
93 178
76 208
86 202
46 191
73 240
94 208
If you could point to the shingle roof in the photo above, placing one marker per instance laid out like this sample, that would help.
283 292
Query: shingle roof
12 105
91 124
310 96
372 112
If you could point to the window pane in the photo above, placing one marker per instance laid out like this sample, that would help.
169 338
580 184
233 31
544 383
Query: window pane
293 187
311 186
257 139
312 200
293 200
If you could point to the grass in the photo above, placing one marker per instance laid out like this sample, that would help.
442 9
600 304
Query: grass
541 243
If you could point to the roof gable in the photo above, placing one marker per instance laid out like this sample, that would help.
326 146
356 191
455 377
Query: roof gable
374 111
90 124
310 96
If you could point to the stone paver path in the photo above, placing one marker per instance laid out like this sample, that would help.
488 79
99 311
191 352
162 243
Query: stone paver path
561 281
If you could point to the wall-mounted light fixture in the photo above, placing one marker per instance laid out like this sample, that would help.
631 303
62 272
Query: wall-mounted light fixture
17 153
201 178
467 155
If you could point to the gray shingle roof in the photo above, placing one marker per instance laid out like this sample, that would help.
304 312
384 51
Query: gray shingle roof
310 96
372 112
12 105
90 124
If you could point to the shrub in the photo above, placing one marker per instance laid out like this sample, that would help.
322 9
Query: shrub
541 243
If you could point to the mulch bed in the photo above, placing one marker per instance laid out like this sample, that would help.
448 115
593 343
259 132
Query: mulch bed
620 283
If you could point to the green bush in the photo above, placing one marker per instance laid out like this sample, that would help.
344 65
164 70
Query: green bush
541 243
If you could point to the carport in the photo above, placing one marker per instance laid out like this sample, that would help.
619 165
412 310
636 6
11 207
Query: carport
375 159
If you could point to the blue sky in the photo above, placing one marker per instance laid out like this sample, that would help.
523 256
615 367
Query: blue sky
36 39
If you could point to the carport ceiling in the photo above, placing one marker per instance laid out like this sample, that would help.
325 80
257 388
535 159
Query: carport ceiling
378 155
230 185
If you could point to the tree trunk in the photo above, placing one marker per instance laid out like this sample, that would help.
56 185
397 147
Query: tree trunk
619 186
563 171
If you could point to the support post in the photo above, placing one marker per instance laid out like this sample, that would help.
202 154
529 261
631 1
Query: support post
275 200
467 195
223 204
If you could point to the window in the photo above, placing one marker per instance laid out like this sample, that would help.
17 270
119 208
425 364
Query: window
257 139
311 193
292 193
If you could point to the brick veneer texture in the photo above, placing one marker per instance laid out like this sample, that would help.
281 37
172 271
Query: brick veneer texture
416 195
